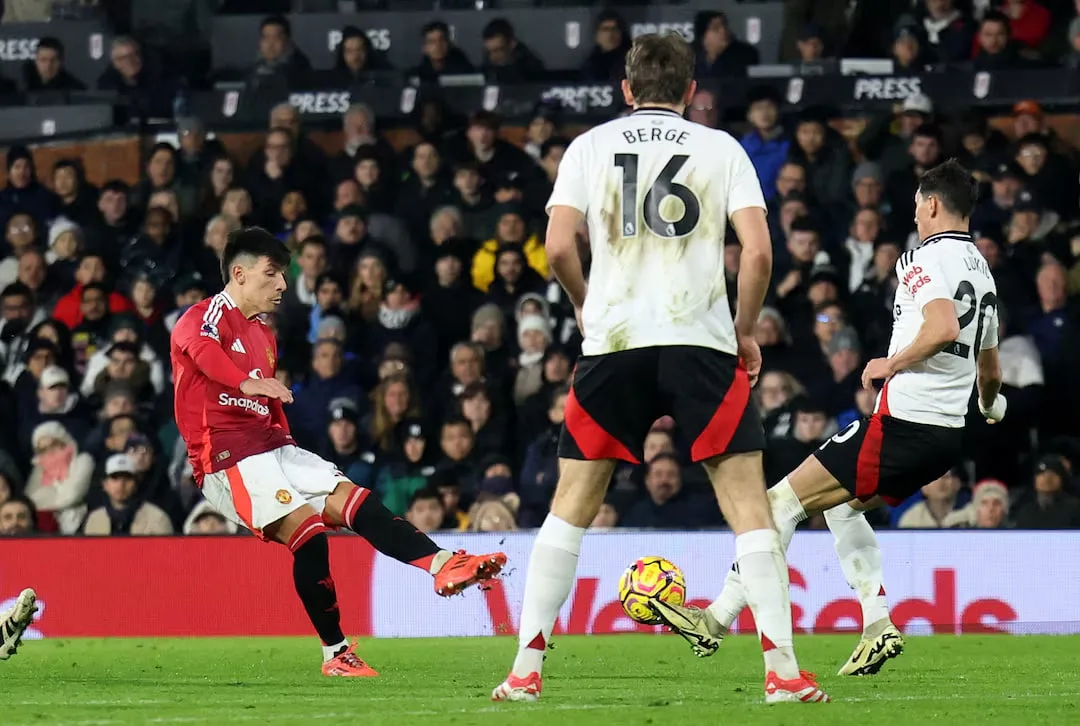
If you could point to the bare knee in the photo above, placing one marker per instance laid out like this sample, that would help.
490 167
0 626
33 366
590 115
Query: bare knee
739 483
581 489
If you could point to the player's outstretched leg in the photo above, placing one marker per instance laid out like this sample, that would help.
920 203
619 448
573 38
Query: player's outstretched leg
860 558
552 566
352 507
15 621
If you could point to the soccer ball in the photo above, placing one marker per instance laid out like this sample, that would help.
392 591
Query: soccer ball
647 579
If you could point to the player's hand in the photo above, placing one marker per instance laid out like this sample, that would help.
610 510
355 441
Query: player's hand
878 369
266 388
750 355
995 411
789 283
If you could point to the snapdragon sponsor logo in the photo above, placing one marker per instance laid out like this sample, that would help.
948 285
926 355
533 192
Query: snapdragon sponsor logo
248 404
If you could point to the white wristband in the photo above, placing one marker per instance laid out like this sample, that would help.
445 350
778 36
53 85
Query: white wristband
996 412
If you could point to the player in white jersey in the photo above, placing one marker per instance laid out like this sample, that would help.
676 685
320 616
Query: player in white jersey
657 193
944 341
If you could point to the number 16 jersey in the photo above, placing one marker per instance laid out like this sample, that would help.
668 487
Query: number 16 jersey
945 266
656 191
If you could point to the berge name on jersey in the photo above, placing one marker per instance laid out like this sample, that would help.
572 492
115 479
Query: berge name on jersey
656 191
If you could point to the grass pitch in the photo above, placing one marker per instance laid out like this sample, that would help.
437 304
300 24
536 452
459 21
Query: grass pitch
628 679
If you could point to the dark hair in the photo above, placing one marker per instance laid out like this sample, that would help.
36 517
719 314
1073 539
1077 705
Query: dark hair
499 27
456 421
51 43
315 239
328 277
953 186
17 289
281 130
928 131
428 493
252 242
553 143
279 20
996 16
433 26
805 224
99 286
664 456
116 185
161 146
659 68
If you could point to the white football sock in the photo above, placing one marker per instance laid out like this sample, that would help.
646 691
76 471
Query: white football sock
552 566
763 570
787 512
329 651
860 559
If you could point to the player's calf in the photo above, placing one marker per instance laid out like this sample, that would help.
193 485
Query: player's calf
354 507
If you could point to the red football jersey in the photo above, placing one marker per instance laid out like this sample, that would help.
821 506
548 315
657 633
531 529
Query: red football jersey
214 349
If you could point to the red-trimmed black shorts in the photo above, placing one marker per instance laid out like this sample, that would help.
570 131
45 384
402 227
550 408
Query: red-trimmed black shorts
887 456
616 398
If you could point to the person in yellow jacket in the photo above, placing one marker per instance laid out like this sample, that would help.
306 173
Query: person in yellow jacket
509 229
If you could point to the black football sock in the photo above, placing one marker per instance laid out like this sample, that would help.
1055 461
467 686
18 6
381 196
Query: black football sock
391 535
314 584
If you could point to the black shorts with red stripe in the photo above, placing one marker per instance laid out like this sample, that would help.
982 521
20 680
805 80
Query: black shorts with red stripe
886 456
617 397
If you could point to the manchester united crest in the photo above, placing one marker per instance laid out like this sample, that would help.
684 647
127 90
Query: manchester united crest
283 496
270 358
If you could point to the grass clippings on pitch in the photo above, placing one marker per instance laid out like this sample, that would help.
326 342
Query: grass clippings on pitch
626 680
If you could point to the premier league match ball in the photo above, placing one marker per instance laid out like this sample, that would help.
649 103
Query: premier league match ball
650 578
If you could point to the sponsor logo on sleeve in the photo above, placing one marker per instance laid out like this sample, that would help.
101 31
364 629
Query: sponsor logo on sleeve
209 330
915 278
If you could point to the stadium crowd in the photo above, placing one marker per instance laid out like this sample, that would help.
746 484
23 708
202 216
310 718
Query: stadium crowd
426 341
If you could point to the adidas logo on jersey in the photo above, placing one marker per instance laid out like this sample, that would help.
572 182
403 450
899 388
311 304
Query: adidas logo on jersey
238 347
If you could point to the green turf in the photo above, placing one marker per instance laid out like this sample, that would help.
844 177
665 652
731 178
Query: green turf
626 680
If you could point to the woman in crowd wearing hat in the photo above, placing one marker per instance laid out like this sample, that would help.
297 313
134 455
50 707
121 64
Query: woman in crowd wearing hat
60 479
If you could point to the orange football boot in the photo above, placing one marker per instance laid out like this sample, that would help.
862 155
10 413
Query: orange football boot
347 663
463 570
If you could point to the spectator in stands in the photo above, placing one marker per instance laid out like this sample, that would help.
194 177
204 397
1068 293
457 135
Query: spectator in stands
506 59
160 175
17 517
356 60
889 149
17 309
838 388
1047 324
983 148
308 413
766 144
996 209
148 94
1051 503
24 193
426 188
426 511
20 236
440 56
510 231
358 125
77 198
55 402
46 72
1029 22
114 225
989 507
826 158
925 152
808 431
719 53
125 512
399 321
811 43
948 32
399 480
25 376
392 401
540 472
611 42
704 109
269 183
1072 55
1047 174
909 51
940 507
280 63
543 125
206 520
197 153
995 48
60 479
668 505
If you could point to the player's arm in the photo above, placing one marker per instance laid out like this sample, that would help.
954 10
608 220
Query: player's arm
988 375
939 328
566 211
747 214
202 344
277 415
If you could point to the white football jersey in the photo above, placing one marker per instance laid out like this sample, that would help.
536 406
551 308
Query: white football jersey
946 266
656 191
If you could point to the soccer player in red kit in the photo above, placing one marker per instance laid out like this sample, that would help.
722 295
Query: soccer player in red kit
229 412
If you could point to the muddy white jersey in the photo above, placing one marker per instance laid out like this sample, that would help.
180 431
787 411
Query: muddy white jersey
656 191
946 266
